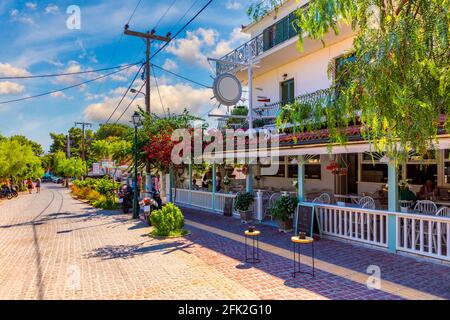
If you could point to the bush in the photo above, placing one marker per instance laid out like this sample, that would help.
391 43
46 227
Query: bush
243 201
92 196
284 208
105 187
80 192
168 221
106 203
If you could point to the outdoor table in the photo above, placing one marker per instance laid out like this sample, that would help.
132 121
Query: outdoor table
297 242
353 198
254 258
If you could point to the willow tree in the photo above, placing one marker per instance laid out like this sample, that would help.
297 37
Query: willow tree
398 82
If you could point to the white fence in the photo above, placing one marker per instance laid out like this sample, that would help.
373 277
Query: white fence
367 226
202 199
424 235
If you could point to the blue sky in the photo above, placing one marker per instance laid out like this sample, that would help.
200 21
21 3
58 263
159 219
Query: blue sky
35 40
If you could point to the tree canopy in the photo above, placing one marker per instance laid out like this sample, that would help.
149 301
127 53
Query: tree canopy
398 82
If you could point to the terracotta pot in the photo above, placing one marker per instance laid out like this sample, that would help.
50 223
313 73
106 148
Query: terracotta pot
246 216
285 226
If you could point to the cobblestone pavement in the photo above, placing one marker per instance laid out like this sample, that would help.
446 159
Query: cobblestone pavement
55 247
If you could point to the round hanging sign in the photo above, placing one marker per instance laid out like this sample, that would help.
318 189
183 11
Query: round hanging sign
227 89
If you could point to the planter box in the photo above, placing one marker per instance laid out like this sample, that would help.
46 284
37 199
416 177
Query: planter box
285 226
246 216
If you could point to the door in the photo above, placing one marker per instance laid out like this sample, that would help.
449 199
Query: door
287 91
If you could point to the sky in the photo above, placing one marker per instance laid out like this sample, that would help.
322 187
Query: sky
36 40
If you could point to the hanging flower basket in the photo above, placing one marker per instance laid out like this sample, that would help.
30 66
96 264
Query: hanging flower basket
338 168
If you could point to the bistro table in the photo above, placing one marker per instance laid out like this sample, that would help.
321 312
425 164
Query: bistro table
354 198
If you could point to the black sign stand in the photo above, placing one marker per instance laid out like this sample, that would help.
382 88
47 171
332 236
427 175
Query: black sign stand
305 216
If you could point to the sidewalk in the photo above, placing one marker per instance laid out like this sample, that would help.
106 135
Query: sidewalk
341 268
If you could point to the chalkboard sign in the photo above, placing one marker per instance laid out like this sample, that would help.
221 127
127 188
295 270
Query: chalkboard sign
304 219
307 220
228 207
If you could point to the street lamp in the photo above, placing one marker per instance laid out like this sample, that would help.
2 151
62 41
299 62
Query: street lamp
136 91
137 120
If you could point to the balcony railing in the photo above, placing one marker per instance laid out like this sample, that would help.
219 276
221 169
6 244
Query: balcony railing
272 36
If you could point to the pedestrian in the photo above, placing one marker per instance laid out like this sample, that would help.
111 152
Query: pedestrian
38 185
30 185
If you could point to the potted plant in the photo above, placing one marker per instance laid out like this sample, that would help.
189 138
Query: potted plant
242 204
283 212
226 182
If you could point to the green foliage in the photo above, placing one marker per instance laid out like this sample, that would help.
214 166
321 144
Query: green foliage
68 168
101 149
258 9
243 201
106 203
105 187
284 208
36 147
398 81
18 160
112 130
168 221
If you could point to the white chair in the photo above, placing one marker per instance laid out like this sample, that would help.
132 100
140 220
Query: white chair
443 212
324 198
273 198
426 207
367 203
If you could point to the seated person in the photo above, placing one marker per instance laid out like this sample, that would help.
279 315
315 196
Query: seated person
427 191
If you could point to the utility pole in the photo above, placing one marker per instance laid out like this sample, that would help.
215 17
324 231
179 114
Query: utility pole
149 36
68 146
83 139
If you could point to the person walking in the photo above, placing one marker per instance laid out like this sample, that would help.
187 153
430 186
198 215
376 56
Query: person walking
30 185
38 185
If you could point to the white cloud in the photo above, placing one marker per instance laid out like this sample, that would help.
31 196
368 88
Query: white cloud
17 16
8 87
7 70
31 5
58 94
176 97
190 48
51 9
223 47
233 5
170 65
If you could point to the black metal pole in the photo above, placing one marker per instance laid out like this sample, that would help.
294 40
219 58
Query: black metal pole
135 191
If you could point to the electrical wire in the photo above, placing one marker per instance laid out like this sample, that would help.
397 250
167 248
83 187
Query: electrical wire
184 16
66 88
129 105
125 94
157 88
182 29
164 15
181 77
67 73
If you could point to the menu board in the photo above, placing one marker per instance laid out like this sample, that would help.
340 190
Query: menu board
305 220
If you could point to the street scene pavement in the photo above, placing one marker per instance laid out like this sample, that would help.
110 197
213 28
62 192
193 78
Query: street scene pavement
55 247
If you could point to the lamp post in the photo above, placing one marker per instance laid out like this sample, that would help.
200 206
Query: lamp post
149 182
136 122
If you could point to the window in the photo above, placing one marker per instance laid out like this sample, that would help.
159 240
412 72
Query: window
374 173
313 169
340 78
281 166
287 91
281 31
418 174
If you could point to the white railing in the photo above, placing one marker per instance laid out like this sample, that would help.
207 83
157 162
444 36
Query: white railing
361 225
424 235
202 199
220 199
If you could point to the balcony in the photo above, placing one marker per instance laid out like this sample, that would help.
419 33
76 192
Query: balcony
276 34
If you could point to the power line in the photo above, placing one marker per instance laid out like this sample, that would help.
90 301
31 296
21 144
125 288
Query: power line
124 95
157 88
182 77
185 14
129 105
66 88
184 27
164 15
68 73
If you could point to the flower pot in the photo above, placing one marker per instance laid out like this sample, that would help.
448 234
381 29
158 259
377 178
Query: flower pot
246 216
285 226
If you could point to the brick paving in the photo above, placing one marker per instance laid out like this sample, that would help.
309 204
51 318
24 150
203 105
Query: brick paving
54 247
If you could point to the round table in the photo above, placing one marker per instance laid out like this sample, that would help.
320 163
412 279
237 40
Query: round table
297 242
254 258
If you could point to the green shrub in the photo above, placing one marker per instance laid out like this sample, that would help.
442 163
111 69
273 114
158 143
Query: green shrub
105 187
106 203
168 221
243 201
284 208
